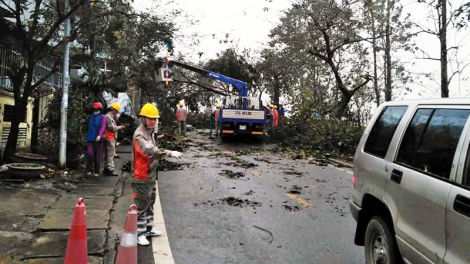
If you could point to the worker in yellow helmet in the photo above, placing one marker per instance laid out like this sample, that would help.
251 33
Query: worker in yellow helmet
146 156
181 116
275 116
110 132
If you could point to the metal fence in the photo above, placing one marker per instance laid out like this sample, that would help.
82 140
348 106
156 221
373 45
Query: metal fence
11 60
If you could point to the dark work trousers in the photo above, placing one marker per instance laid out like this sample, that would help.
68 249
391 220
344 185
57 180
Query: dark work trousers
144 193
94 152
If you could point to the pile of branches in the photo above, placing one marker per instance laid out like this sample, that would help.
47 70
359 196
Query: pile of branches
199 120
318 137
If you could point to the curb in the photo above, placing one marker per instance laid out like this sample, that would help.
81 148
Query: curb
341 163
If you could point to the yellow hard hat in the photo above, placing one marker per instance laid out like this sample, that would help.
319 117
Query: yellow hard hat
271 106
181 104
150 111
219 105
116 106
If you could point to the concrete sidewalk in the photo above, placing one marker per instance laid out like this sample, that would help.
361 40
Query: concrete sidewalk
35 216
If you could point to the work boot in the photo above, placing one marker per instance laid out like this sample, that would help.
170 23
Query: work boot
153 233
109 172
142 240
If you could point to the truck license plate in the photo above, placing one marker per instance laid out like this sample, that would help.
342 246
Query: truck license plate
242 127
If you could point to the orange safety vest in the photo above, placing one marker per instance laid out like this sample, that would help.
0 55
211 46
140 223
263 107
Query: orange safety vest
146 154
110 135
141 163
181 116
276 117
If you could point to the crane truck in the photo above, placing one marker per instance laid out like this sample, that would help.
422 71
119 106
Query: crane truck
240 114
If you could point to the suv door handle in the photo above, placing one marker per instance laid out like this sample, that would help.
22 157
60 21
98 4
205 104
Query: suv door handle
462 205
396 176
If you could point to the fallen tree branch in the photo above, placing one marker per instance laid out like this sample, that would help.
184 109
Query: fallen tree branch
265 230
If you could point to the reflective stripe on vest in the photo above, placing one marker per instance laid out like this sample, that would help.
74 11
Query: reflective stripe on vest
141 163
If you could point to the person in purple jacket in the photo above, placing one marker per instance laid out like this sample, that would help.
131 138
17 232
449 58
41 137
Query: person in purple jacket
94 145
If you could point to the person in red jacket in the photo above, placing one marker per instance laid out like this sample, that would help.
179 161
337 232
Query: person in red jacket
146 155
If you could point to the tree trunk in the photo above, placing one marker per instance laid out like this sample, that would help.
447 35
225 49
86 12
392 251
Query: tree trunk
19 111
277 88
133 91
374 49
388 58
443 40
342 104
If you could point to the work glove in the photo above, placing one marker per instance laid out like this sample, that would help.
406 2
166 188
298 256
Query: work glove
175 154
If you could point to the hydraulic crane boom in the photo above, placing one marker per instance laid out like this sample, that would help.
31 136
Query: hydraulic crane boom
241 86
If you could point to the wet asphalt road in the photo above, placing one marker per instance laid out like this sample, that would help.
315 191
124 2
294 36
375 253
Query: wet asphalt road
313 226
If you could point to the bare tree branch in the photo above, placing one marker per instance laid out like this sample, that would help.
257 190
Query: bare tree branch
7 6
361 85
458 72
59 11
56 26
347 42
35 17
19 27
53 70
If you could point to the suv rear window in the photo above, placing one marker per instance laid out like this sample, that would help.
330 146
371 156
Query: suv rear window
431 139
383 130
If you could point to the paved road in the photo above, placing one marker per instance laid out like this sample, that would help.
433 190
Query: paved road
312 226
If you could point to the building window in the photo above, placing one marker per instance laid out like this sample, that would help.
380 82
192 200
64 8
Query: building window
8 114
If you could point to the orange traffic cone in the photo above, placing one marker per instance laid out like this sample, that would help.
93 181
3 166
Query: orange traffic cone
127 251
77 251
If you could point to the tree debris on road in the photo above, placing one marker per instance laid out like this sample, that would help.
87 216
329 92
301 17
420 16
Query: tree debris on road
267 231
294 208
233 201
232 175
295 189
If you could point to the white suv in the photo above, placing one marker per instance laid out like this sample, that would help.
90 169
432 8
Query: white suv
411 194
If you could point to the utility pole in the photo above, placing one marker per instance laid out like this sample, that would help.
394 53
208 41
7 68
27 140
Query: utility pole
65 93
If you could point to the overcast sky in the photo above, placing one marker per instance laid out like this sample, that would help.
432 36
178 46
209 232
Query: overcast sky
248 23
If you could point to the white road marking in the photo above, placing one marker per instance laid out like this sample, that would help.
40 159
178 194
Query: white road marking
161 245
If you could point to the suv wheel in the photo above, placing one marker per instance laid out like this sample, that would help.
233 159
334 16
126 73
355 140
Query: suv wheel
380 245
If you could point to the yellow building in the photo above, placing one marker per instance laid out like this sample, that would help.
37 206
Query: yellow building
37 104
6 112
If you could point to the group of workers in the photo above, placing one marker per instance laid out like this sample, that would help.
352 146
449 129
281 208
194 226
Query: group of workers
146 155
102 133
